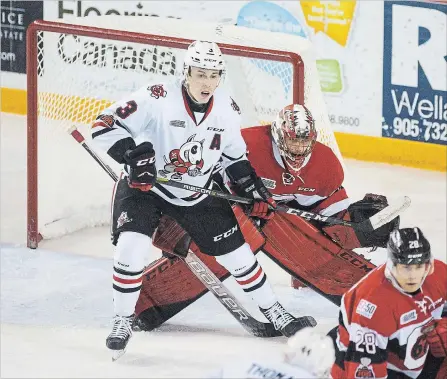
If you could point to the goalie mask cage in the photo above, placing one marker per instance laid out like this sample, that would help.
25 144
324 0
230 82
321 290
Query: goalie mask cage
75 70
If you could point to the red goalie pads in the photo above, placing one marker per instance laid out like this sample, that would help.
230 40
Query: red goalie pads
168 284
298 247
303 251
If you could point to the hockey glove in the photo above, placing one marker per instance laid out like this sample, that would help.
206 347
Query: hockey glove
436 334
359 211
140 166
252 187
364 209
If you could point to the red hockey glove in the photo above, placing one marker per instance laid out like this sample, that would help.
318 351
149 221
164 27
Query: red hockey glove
263 209
140 166
436 334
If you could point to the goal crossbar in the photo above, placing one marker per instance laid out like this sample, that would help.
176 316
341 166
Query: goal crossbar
37 26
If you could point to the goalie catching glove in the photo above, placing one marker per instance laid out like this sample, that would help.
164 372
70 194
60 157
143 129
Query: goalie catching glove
436 334
364 209
140 166
357 212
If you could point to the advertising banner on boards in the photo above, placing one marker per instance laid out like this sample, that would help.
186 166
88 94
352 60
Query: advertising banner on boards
15 18
415 71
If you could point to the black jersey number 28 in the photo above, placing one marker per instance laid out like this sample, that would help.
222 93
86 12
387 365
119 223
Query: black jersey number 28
128 109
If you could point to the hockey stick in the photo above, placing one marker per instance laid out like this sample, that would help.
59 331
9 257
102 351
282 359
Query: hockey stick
227 299
77 135
374 222
201 271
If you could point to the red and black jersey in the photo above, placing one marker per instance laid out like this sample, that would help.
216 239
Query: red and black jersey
380 325
317 187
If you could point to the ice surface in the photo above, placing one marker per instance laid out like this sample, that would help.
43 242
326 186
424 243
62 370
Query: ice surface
56 302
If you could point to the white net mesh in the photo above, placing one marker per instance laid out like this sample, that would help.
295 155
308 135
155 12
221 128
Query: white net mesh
101 73
78 76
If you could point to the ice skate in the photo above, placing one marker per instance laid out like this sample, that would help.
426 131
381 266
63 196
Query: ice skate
284 322
120 335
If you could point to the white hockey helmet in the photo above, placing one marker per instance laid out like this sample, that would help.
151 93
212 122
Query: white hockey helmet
294 122
311 351
204 54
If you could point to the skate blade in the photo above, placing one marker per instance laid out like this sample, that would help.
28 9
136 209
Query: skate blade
117 354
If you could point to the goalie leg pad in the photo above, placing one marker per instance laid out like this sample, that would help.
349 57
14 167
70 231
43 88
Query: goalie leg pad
168 285
305 252
171 238
344 236
249 229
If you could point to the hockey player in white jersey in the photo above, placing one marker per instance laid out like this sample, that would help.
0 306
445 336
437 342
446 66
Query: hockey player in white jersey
308 354
180 131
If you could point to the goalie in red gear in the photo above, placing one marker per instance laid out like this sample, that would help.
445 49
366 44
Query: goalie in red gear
391 322
305 174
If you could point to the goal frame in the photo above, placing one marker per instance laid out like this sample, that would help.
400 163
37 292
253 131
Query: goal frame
33 236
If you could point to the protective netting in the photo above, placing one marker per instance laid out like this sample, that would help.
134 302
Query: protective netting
78 76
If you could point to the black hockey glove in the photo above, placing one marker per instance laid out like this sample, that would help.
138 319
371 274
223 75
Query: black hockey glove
140 166
252 187
364 209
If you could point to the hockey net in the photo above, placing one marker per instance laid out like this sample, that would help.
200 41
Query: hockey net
75 70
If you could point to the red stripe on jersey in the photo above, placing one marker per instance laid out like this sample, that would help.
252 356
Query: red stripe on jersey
127 281
185 102
252 279
100 123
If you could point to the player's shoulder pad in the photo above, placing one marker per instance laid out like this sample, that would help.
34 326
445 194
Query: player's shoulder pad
256 131
327 156
226 101
371 301
440 265
329 162
371 287
439 274
257 138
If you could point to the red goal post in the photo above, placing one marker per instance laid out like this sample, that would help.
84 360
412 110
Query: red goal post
54 107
